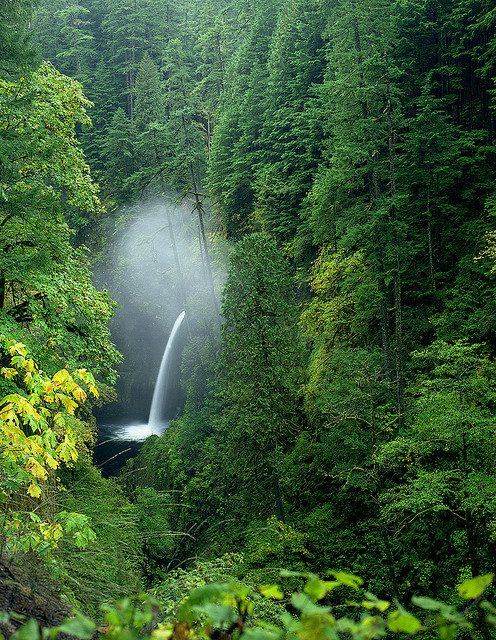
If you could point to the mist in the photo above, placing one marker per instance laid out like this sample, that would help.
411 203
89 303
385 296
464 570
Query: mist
141 274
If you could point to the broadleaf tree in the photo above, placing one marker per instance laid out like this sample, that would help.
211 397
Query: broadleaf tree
45 286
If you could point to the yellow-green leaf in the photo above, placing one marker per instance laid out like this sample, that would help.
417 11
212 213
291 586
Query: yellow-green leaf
403 622
375 603
9 372
317 588
347 579
68 403
36 469
473 588
79 394
51 462
34 490
61 376
271 591
66 451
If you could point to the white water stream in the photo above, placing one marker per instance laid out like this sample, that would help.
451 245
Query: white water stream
157 421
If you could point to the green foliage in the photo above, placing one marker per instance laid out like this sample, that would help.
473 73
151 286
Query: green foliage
36 440
290 131
444 455
44 282
197 373
275 544
235 146
111 567
258 364
226 609
344 292
174 590
17 54
119 151
152 513
47 126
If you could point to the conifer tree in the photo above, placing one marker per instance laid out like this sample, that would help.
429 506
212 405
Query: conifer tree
259 366
149 101
236 148
17 54
124 26
77 44
119 150
290 133
360 106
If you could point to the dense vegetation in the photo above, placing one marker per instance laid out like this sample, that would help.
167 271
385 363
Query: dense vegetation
320 177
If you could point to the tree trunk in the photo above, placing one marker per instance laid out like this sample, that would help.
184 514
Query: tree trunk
429 237
201 211
374 190
397 271
2 292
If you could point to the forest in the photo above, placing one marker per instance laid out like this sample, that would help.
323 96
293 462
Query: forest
313 183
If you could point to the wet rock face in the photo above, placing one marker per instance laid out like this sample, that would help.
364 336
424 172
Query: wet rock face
24 596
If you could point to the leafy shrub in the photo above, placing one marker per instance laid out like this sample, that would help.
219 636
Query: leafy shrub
223 610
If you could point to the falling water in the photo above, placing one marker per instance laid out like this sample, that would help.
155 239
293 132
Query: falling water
114 436
156 419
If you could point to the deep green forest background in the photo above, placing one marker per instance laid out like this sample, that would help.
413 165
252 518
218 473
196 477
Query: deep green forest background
313 181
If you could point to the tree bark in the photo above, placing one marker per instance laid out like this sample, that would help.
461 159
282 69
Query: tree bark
397 271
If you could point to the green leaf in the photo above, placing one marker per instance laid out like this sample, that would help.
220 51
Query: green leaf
347 579
303 603
403 622
262 634
427 603
80 626
28 631
191 609
488 606
448 632
217 614
375 603
473 588
285 573
317 588
271 591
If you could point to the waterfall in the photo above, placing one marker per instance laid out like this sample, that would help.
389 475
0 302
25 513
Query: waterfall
156 419
113 436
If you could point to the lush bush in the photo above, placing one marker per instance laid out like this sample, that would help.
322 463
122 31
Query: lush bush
110 568
225 611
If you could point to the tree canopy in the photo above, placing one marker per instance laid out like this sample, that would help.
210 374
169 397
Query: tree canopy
313 184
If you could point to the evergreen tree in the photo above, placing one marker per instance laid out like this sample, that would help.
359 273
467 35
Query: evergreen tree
236 144
290 134
124 26
77 45
17 55
152 142
358 177
149 101
119 151
258 368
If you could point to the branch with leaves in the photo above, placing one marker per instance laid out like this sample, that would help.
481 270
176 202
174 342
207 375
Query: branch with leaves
35 441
